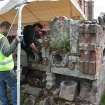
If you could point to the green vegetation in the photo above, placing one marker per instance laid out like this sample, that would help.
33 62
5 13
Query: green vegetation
103 100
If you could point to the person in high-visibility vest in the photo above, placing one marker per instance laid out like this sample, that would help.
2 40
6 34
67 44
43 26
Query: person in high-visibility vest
7 65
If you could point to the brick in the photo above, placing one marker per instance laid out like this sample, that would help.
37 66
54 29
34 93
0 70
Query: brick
81 64
85 38
92 46
81 38
89 28
83 28
92 56
92 34
92 28
84 55
91 37
86 67
92 68
90 61
83 46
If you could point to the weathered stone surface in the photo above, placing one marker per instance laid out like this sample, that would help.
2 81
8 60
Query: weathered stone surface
30 100
68 90
32 90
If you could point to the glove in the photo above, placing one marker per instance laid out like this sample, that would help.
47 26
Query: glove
19 38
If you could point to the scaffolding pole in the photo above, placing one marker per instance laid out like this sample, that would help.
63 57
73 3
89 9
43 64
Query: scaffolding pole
19 33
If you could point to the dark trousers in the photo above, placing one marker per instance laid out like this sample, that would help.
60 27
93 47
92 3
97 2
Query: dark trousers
7 78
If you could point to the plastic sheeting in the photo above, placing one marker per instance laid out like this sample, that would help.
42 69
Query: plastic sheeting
6 5
41 10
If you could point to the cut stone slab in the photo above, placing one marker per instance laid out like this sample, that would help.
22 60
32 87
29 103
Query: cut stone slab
32 90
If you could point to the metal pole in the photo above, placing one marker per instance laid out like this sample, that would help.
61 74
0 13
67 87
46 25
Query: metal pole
19 33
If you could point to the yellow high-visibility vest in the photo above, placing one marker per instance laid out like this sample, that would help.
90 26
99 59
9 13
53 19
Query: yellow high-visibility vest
6 63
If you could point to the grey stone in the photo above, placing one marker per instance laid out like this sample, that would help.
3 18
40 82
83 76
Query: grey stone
32 90
68 90
30 100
